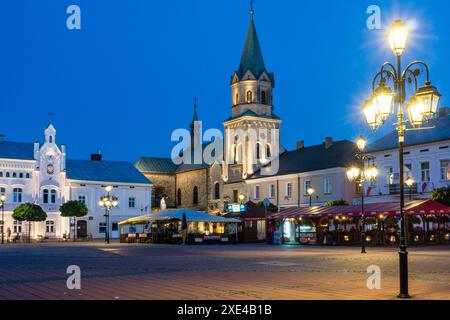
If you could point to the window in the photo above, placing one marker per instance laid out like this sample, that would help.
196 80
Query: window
445 172
131 203
263 97
53 196
289 189
7 174
389 175
257 195
114 226
102 227
1 174
216 191
326 186
271 190
268 151
236 101
235 196
258 151
2 190
50 139
306 185
195 195
27 176
45 196
14 175
50 226
249 96
82 199
17 195
21 175
17 226
179 197
425 171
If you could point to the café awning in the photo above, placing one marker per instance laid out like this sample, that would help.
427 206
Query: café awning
419 207
168 215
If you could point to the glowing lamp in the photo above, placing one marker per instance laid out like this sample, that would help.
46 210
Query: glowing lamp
371 172
371 115
409 182
353 173
2 198
428 98
383 98
310 191
398 37
415 112
361 143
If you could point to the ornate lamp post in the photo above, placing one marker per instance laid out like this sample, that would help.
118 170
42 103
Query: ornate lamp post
310 192
2 202
108 202
421 108
360 174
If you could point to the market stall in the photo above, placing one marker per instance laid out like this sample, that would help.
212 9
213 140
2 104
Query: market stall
427 222
166 227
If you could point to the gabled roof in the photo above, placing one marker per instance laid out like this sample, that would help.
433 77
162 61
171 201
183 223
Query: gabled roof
155 165
339 154
252 58
16 150
440 132
104 171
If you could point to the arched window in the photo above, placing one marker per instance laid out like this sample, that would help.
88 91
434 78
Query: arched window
45 196
217 191
7 174
50 139
236 100
249 96
53 196
263 97
14 175
21 175
235 157
27 176
268 151
179 197
195 195
258 151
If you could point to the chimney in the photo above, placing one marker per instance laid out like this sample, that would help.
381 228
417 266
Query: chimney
300 144
443 112
96 156
328 142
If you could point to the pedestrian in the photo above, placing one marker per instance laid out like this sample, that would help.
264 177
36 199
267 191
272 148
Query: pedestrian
8 234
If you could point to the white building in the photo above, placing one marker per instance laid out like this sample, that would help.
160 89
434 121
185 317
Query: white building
41 174
426 158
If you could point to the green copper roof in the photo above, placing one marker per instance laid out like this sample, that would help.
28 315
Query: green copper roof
252 58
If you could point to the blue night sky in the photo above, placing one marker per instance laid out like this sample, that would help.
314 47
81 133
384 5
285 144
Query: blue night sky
125 81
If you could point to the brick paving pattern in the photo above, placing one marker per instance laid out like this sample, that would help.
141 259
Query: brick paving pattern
233 272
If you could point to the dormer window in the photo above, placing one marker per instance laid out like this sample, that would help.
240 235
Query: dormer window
249 96
263 97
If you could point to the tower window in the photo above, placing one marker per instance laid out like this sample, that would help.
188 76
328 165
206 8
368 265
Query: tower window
258 151
263 97
249 96
50 139
217 191
195 195
45 196
236 101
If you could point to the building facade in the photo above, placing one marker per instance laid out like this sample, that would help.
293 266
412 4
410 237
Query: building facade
426 158
41 174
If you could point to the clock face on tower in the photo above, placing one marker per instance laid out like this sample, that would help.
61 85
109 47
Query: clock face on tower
50 169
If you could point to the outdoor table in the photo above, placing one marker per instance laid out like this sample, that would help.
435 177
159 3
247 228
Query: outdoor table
131 238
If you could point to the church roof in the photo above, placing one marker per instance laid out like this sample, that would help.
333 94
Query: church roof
252 58
156 165
16 150
339 154
104 171
440 132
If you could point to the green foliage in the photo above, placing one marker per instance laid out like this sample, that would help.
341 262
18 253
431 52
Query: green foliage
391 221
73 209
29 212
336 203
442 195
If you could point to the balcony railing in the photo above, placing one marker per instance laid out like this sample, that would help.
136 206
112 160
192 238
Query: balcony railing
394 189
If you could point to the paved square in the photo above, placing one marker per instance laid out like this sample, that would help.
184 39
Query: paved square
230 272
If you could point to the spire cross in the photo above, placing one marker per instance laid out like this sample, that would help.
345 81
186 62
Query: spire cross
251 7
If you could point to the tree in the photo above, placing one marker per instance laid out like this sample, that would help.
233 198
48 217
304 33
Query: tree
29 212
442 195
334 203
73 209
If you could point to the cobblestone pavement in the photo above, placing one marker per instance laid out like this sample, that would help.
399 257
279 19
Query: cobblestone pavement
259 271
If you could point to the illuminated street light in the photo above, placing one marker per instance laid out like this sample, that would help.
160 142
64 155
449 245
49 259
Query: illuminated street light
108 202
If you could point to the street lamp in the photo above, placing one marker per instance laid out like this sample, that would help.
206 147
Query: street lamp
241 198
310 191
421 108
108 202
410 182
360 174
2 202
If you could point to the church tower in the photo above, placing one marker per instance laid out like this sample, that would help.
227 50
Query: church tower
252 131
